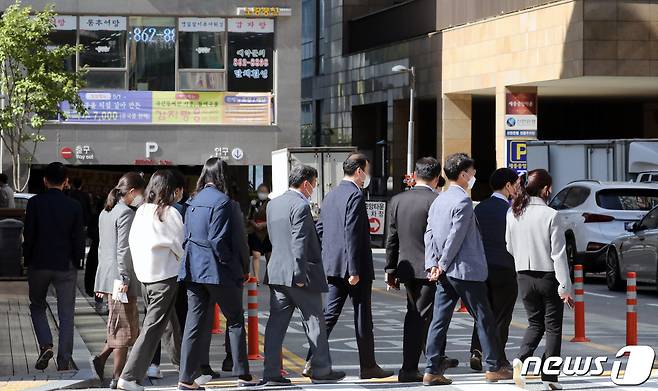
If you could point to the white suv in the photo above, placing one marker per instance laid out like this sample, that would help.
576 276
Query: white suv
595 213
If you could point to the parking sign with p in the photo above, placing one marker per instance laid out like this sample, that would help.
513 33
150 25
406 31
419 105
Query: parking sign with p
517 151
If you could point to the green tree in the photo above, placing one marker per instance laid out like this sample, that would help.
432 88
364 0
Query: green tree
33 82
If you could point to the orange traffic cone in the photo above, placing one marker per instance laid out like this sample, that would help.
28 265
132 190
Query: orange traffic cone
217 323
462 307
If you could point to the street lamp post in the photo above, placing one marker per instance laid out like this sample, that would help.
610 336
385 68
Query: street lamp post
410 126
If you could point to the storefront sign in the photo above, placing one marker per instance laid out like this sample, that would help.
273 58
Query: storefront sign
521 114
104 23
84 153
243 25
517 153
202 24
172 107
376 216
250 54
264 11
65 22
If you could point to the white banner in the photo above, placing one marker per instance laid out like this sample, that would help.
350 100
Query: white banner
105 23
202 24
245 25
65 22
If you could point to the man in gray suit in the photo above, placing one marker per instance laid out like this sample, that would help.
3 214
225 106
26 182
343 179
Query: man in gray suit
296 279
455 258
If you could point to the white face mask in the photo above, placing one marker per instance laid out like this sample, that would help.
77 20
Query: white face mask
262 196
137 201
471 182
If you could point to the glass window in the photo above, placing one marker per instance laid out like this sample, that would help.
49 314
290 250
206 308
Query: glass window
308 135
152 53
558 200
627 199
650 221
106 80
64 37
103 48
576 197
201 49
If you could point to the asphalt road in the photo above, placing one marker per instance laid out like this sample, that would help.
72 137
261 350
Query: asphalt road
605 326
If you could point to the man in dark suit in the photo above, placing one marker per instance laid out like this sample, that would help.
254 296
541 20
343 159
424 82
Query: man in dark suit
501 282
347 258
53 249
405 263
296 278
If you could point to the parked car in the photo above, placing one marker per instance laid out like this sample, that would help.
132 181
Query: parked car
635 251
21 199
595 213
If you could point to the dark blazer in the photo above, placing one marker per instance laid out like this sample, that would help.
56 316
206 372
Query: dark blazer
492 219
405 244
54 232
345 233
239 237
209 257
296 253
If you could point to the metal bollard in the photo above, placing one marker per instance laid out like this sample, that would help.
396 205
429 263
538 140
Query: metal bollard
579 308
252 313
631 303
217 322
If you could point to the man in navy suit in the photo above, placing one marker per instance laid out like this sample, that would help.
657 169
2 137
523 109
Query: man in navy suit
53 248
345 233
502 287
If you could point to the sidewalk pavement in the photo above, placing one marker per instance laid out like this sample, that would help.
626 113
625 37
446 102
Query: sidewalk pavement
19 348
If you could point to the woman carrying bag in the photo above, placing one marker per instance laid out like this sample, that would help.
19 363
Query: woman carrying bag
115 267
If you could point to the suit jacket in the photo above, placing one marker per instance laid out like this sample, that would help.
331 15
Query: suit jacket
114 257
345 233
407 221
53 234
239 237
537 242
208 256
491 215
452 239
296 254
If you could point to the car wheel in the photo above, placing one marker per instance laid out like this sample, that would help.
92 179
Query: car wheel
612 272
571 255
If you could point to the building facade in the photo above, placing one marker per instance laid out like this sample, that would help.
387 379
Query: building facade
489 76
172 83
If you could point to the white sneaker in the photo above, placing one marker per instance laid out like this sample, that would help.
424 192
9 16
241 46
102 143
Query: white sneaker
129 385
203 379
552 385
519 379
154 372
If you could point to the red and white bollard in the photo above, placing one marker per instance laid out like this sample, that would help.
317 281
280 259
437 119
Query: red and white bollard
579 308
252 320
631 304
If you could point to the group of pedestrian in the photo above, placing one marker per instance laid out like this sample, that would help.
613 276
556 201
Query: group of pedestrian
444 251
441 248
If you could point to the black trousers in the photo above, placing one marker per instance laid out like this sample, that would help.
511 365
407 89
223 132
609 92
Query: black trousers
420 306
502 291
360 294
545 310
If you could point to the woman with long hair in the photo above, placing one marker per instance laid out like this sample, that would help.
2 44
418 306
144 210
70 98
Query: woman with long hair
213 273
156 243
115 264
259 240
535 238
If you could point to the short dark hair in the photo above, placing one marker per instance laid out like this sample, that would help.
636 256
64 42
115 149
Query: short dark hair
456 163
55 173
427 168
301 173
77 183
354 162
501 177
4 178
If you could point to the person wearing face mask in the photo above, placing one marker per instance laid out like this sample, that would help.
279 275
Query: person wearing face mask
535 238
455 259
115 263
296 279
502 288
347 257
259 240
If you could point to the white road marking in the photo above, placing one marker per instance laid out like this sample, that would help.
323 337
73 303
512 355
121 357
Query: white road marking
600 295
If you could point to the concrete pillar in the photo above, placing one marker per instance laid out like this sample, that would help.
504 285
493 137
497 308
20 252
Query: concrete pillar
501 139
455 124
